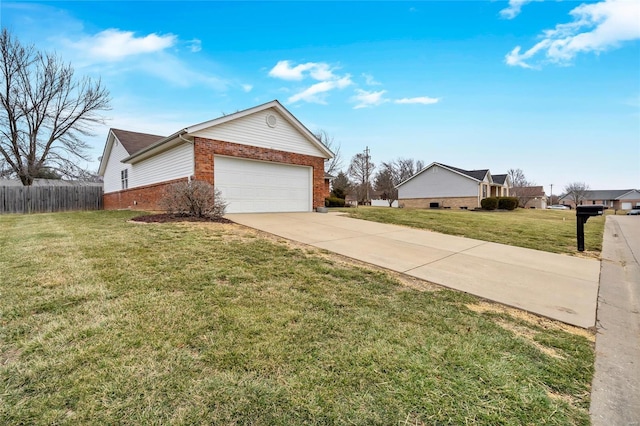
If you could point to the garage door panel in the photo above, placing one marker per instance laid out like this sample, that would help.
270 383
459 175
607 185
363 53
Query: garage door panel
255 186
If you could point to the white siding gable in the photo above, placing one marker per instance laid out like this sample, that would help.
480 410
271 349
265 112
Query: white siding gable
438 182
174 163
253 130
114 166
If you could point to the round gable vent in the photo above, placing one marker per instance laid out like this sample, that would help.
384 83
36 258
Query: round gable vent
271 120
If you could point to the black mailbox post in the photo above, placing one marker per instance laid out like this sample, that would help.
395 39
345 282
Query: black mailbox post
582 214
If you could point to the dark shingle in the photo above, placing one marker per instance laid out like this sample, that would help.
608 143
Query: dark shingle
134 141
476 174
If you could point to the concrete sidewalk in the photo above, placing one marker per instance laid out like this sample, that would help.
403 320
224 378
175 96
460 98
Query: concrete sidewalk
615 395
556 286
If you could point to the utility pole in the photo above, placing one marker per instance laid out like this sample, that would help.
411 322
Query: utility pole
551 198
366 155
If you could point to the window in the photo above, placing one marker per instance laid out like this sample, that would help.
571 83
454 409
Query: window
484 191
124 177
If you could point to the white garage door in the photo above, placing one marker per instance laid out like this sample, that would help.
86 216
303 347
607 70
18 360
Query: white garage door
626 206
257 186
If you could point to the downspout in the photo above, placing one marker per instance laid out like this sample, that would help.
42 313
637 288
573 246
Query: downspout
193 157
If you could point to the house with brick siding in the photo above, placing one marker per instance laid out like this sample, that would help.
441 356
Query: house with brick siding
262 159
617 199
443 186
530 197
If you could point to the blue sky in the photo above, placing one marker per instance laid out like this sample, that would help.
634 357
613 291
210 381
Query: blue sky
550 87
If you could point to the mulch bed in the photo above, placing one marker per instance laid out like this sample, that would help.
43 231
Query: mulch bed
167 217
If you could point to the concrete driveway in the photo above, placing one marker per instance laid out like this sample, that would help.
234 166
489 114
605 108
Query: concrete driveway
556 286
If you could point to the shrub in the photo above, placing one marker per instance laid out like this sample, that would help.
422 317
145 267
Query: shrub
338 193
195 198
490 203
507 203
334 202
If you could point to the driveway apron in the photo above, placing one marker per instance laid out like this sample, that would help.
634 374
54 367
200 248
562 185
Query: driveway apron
557 286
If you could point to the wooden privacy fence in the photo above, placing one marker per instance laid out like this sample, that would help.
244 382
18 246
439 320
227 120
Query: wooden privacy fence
41 199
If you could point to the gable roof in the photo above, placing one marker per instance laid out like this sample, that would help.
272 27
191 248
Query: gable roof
528 191
134 141
184 133
606 194
500 179
476 175
144 145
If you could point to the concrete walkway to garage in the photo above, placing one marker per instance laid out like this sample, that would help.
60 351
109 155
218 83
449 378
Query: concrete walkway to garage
557 286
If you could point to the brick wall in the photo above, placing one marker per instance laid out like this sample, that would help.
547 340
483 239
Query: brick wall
452 202
147 197
141 198
206 150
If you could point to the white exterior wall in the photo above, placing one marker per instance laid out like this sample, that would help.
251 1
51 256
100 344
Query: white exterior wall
438 182
383 203
253 130
112 182
172 164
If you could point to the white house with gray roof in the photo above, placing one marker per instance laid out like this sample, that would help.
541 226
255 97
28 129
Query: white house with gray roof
440 185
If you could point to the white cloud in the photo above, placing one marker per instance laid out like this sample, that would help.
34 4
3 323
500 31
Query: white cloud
195 45
424 100
596 27
316 93
514 8
370 81
114 45
366 99
247 87
320 71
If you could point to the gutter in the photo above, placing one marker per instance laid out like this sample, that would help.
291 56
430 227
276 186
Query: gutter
156 144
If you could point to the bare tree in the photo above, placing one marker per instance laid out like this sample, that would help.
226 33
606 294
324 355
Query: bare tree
518 179
403 168
334 164
385 183
576 191
361 169
523 189
45 112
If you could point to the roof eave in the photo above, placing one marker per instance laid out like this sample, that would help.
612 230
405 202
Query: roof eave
272 104
151 149
106 152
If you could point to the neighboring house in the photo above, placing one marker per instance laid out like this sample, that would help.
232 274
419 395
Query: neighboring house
530 197
262 159
617 199
439 185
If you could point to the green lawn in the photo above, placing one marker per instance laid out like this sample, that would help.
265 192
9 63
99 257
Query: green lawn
103 321
548 230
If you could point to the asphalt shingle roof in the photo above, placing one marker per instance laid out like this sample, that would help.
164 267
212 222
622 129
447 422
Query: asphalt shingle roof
606 194
134 141
476 174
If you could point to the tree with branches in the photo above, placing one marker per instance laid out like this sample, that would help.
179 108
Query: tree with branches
385 183
45 112
360 170
577 192
522 188
334 164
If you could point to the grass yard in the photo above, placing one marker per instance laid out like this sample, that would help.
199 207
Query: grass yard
103 321
547 230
